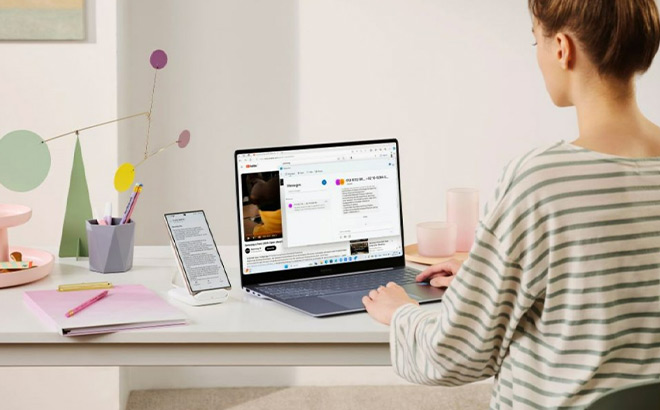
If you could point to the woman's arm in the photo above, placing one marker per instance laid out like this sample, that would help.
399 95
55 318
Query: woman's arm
466 339
467 336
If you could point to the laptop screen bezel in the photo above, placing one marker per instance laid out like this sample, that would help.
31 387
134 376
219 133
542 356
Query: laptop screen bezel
324 270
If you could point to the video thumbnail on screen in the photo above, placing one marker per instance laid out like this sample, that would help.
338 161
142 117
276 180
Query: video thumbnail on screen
262 213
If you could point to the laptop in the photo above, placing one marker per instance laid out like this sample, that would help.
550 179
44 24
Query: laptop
321 225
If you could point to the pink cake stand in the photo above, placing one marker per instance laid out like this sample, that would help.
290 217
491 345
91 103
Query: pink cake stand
15 215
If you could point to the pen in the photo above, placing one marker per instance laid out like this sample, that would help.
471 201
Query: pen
131 202
87 304
100 221
137 196
131 205
84 286
108 213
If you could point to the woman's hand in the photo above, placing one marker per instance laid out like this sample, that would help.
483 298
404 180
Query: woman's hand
440 275
381 303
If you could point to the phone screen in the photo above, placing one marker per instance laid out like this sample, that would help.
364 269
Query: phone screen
196 250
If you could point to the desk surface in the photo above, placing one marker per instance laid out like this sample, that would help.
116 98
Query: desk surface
243 326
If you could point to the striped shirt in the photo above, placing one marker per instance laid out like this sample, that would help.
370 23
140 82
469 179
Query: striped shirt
559 297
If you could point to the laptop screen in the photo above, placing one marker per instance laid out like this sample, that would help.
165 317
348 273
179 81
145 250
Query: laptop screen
318 206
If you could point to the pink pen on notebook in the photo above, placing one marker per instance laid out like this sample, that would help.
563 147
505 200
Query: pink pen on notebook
87 303
126 307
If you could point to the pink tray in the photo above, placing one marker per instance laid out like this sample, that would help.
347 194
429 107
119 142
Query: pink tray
42 259
14 215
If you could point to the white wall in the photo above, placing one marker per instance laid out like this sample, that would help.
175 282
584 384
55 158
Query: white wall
455 80
231 80
52 88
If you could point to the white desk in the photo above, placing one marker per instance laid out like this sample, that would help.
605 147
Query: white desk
242 331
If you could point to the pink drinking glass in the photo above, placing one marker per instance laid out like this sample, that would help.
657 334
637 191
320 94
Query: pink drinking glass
436 239
463 210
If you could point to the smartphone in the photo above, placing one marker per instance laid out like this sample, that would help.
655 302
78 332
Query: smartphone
196 252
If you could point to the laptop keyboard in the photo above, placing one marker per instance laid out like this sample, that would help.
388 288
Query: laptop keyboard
338 284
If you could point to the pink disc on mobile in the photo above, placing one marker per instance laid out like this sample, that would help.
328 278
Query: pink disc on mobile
158 59
184 138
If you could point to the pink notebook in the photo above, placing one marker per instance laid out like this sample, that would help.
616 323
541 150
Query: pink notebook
125 307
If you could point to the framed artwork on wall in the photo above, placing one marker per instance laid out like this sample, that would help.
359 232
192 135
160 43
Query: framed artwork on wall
42 19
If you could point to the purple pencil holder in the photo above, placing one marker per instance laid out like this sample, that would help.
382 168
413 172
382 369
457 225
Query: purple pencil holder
110 246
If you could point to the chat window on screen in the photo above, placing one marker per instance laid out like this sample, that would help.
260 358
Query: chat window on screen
339 201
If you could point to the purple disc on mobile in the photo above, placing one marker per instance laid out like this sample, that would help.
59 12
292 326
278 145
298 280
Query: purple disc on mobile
184 138
337 182
290 205
158 59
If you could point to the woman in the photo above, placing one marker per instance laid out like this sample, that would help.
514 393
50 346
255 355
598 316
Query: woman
559 298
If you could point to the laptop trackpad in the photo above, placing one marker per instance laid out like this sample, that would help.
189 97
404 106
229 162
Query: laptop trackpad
349 300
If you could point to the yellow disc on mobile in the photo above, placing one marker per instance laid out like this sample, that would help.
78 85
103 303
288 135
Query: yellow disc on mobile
124 176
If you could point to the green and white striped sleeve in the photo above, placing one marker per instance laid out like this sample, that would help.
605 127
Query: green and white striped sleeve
559 295
466 339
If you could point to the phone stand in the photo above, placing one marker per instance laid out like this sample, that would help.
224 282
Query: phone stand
209 297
